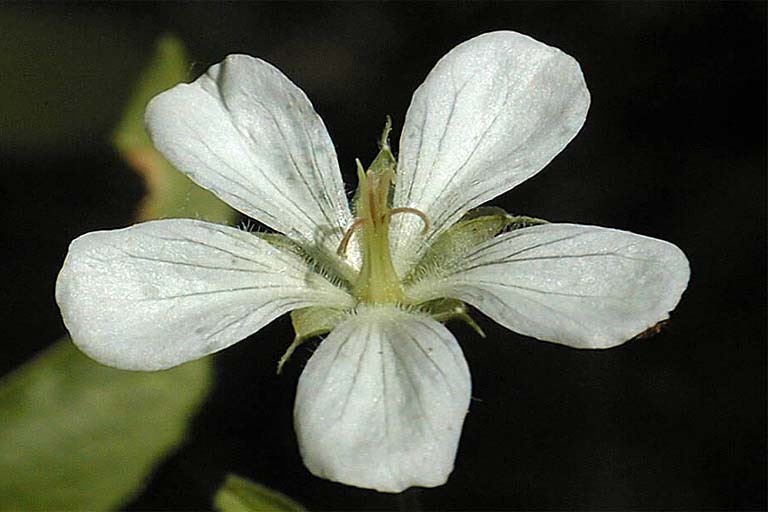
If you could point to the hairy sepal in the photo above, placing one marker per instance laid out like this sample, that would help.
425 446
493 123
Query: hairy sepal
328 265
475 227
447 310
309 323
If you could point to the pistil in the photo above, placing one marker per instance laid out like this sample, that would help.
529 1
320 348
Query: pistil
377 281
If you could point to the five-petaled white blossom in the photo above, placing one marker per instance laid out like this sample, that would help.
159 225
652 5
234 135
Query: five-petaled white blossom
382 400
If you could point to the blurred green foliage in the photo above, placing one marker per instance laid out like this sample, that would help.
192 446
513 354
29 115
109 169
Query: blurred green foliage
169 193
76 435
240 495
64 70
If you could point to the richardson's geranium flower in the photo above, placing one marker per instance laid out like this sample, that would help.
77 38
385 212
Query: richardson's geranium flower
382 400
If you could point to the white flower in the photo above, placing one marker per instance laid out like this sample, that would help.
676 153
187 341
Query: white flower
382 401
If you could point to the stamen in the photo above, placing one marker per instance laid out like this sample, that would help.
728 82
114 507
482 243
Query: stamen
420 214
342 250
384 141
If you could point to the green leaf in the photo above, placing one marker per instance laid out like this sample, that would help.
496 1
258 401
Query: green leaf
170 194
241 495
76 435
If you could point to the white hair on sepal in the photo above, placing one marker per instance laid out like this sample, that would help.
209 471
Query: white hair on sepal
251 226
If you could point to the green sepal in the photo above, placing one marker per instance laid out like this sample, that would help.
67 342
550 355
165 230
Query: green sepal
315 321
238 494
523 221
477 226
312 321
308 323
446 310
282 242
474 228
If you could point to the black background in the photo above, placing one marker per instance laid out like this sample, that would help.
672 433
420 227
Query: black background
673 147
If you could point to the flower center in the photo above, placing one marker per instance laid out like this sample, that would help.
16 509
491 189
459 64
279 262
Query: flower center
377 281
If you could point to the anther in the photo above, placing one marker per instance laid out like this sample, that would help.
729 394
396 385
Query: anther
342 250
420 214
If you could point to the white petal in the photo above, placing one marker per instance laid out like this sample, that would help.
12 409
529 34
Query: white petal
582 286
491 114
382 401
248 134
158 294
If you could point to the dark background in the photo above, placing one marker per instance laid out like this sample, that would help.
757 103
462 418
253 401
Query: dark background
673 147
